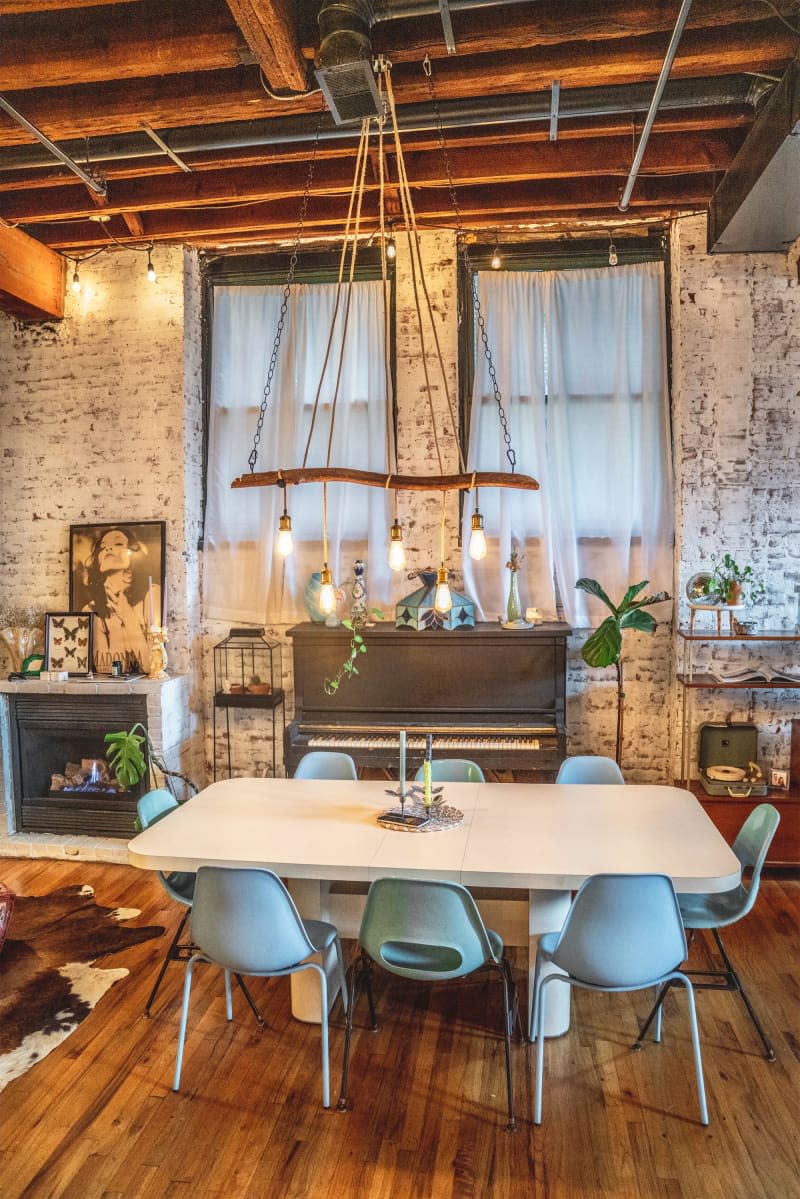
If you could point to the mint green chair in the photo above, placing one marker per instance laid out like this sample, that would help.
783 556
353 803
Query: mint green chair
622 933
589 768
427 930
714 912
326 764
244 920
453 770
179 885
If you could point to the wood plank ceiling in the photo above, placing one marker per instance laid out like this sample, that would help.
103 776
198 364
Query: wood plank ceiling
90 76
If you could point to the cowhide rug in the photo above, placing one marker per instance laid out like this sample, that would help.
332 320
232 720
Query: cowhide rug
48 985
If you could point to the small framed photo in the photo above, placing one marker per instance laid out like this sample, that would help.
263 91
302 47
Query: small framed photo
68 642
779 779
116 572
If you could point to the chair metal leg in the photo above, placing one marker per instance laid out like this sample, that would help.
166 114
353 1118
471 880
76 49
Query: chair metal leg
323 986
172 955
540 1044
228 997
250 1000
342 972
655 1011
187 988
355 985
698 1061
508 1020
735 983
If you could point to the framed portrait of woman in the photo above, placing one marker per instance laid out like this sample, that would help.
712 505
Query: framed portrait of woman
116 572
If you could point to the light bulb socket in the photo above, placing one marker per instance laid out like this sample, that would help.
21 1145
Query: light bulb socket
477 521
285 524
442 575
325 577
76 282
391 248
151 270
396 532
613 257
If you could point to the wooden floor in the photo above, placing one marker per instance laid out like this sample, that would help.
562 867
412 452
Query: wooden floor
98 1116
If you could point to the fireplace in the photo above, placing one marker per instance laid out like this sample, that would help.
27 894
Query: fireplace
49 731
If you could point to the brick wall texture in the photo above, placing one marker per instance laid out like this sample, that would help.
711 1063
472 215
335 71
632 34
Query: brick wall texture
100 419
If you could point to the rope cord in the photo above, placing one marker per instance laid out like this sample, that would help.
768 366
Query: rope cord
401 170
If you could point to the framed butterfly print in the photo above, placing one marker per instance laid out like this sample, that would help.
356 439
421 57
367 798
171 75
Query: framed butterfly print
68 642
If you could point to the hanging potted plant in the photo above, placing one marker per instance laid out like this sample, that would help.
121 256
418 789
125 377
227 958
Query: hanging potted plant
604 646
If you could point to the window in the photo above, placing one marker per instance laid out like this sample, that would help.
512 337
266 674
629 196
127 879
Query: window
581 361
244 578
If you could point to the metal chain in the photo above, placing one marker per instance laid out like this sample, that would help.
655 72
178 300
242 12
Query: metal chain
462 245
285 300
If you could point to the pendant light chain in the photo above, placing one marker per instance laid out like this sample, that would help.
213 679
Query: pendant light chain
286 294
462 244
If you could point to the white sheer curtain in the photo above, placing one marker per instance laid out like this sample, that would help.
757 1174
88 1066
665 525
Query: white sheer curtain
602 451
244 579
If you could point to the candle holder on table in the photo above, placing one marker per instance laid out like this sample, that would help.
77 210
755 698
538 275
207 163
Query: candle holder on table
158 652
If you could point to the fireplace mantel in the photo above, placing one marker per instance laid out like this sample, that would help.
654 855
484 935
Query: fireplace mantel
170 723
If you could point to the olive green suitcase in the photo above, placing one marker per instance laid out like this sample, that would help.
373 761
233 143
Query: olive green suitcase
728 748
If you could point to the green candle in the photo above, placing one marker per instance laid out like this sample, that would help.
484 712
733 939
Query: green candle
426 779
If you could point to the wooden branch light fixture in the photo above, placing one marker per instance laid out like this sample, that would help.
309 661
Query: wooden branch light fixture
391 479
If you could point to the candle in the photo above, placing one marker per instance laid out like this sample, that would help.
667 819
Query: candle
150 595
532 615
426 778
402 761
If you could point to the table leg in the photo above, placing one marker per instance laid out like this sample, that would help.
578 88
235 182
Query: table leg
547 911
310 896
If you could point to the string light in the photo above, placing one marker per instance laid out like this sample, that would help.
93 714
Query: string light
613 257
442 600
477 537
391 248
76 280
497 261
151 270
397 550
285 544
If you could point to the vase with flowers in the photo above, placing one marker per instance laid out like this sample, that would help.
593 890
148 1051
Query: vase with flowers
513 605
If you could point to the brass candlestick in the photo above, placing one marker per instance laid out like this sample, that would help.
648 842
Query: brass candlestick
158 653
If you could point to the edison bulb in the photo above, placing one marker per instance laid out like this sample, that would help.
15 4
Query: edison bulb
391 249
497 261
327 594
442 601
285 544
477 538
397 551
151 271
76 283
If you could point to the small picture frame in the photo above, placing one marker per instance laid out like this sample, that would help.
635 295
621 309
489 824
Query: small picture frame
779 780
68 643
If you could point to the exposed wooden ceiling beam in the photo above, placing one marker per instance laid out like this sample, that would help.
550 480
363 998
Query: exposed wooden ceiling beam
134 223
31 7
692 153
154 37
520 201
269 29
568 22
31 276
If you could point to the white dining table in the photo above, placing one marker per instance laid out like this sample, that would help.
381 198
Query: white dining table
542 840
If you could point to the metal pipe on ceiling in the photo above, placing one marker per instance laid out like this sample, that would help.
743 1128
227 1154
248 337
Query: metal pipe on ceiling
661 83
413 118
96 185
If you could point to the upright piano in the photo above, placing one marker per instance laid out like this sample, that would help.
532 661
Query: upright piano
494 695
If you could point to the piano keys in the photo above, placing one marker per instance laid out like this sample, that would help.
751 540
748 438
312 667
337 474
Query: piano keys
494 695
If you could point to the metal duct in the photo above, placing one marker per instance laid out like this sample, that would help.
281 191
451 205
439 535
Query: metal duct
684 94
344 61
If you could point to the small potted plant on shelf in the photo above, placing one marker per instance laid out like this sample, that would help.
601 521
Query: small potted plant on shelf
733 584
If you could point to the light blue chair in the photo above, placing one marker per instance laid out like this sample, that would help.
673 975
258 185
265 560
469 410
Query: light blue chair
326 764
244 920
622 933
453 770
714 912
589 769
427 930
179 885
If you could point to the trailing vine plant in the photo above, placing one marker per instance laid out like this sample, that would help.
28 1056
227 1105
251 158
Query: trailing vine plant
357 646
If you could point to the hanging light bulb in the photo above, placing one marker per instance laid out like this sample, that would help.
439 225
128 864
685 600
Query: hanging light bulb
497 261
327 595
151 270
442 601
76 281
613 258
391 248
397 551
477 538
285 544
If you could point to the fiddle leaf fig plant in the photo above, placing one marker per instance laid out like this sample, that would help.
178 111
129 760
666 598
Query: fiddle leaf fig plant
604 646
